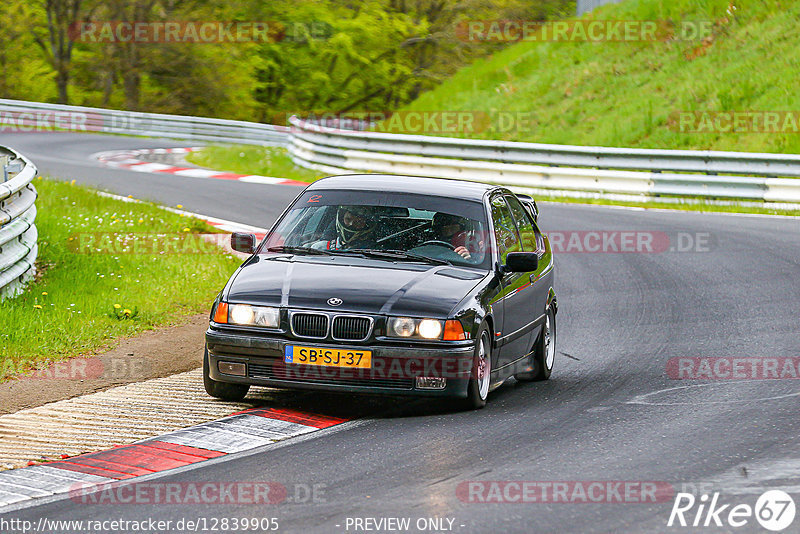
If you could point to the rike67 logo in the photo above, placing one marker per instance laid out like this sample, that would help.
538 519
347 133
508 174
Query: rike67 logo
774 510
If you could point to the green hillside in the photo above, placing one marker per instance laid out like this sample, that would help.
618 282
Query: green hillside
632 93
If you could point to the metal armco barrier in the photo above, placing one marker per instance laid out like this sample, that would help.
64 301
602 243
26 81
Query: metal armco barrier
21 116
18 234
539 168
584 6
553 169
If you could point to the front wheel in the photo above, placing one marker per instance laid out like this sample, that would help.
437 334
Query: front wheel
481 375
544 353
222 390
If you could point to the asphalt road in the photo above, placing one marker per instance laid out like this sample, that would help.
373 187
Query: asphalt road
67 156
609 413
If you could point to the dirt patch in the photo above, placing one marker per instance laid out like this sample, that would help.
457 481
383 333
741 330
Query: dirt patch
152 354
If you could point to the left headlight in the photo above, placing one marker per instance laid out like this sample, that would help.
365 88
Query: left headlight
419 328
246 315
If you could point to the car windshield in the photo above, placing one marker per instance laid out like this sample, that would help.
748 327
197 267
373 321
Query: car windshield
384 226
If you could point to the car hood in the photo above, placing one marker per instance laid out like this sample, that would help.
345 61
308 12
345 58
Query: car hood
364 286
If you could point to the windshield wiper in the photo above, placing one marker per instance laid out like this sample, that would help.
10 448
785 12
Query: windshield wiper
399 255
344 252
299 250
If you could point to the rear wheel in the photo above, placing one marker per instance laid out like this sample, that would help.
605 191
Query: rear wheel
544 352
222 390
481 375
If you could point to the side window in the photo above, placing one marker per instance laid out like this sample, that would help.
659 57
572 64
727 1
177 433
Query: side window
504 228
524 224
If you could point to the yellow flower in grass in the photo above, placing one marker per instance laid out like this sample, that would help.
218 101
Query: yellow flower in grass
185 229
117 306
37 307
126 312
44 293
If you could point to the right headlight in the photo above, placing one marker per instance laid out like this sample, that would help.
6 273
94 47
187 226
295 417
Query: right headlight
407 327
430 328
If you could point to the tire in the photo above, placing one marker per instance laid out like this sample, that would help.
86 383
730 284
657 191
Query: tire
481 376
222 390
544 352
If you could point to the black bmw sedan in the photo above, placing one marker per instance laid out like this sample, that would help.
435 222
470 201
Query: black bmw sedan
391 285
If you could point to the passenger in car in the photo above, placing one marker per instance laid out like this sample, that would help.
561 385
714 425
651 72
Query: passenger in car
453 229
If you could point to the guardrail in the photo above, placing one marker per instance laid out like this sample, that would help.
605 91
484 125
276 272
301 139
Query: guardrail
552 169
18 233
584 6
18 115
617 173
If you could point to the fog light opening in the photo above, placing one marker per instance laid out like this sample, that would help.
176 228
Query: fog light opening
430 382
232 368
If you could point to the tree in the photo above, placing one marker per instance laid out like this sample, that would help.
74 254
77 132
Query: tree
62 17
335 56
128 58
22 74
377 54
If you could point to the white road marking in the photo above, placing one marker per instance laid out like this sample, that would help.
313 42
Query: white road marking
195 173
645 399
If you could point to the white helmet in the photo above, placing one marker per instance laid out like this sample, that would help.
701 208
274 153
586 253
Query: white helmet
348 234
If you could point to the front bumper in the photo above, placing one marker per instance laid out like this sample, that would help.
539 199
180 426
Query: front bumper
395 366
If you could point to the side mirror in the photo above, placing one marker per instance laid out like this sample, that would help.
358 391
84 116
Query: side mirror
521 262
241 242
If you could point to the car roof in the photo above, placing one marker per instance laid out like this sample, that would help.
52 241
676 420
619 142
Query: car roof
405 184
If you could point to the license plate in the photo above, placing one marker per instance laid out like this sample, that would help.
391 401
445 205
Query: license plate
328 357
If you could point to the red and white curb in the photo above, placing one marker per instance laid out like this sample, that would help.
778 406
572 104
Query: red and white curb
132 160
239 432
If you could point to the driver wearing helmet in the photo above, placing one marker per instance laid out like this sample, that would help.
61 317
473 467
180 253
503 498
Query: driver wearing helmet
452 229
355 228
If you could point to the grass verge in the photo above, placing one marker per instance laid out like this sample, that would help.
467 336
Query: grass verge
632 94
249 159
78 302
